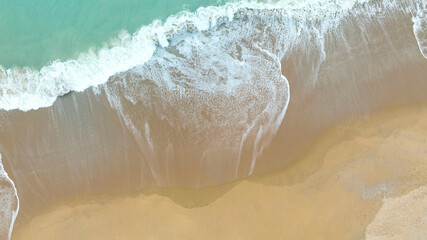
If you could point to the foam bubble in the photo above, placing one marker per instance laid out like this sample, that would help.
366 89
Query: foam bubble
9 203
24 88
420 27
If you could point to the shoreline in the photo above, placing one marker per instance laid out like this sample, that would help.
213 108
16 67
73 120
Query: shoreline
333 192
206 116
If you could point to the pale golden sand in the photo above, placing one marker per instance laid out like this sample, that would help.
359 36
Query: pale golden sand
333 192
135 132
401 218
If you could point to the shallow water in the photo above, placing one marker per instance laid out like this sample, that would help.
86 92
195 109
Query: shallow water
332 192
35 33
205 98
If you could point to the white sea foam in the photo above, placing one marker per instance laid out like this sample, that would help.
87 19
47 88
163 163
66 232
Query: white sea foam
26 89
420 27
9 203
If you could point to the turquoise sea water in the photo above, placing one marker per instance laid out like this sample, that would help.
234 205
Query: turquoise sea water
34 33
192 101
49 47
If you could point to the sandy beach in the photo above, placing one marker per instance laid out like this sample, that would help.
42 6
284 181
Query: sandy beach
335 191
248 120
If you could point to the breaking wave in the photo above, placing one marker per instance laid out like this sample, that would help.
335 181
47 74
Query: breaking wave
200 99
24 88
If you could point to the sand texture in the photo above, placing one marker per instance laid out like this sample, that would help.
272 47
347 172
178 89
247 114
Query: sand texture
249 98
334 192
403 217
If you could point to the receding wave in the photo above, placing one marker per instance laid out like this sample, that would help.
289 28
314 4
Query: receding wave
9 204
24 88
420 26
201 99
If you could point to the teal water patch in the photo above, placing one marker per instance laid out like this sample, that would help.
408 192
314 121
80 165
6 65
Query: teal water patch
28 88
34 33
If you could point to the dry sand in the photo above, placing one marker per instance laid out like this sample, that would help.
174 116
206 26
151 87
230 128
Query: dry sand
134 132
334 192
401 218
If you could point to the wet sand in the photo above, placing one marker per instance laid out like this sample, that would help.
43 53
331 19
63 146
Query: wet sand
180 121
134 132
9 204
335 191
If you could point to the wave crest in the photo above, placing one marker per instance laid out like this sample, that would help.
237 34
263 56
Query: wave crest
25 88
